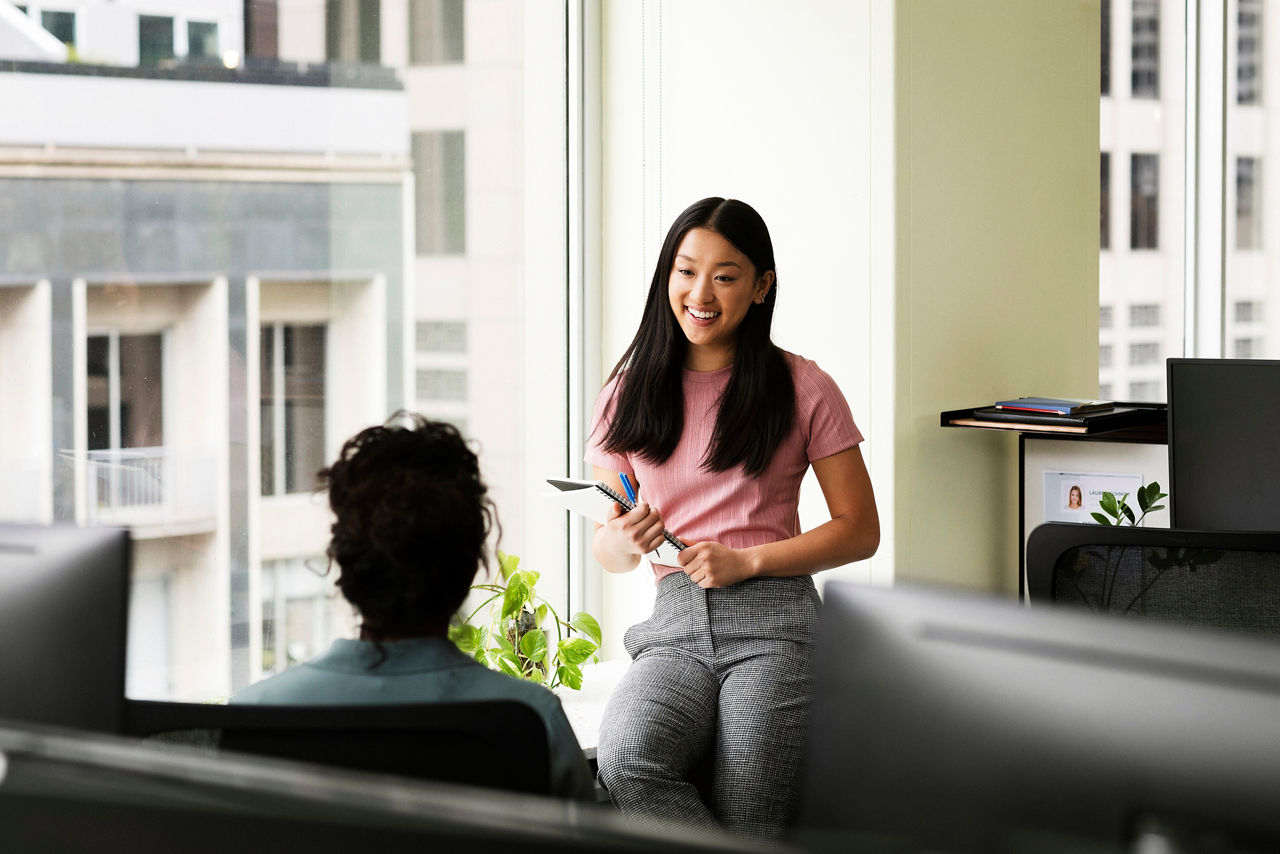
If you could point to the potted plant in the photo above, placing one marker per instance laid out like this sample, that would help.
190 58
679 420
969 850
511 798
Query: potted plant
510 631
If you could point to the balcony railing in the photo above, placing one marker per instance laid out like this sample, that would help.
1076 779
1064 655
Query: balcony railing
141 487
21 485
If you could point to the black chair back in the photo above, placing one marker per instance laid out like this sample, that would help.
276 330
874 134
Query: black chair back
1224 579
494 743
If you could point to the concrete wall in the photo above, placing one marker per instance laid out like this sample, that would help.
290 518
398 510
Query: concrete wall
121 112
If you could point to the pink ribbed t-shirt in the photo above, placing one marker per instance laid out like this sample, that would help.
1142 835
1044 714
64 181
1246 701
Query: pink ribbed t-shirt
729 507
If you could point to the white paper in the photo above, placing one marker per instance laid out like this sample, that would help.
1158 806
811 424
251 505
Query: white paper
586 498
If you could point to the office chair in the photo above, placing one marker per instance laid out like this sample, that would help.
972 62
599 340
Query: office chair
1225 579
493 743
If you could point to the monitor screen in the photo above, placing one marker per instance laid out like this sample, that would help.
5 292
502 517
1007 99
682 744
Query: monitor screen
953 721
63 619
1224 444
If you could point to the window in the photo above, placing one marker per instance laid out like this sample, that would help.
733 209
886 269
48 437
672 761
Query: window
126 466
261 29
155 40
61 24
1106 47
1104 195
353 30
202 42
1144 315
1104 356
302 612
1249 52
1248 281
1143 159
439 171
1104 391
125 391
293 407
436 384
1248 203
1145 390
1248 311
1144 187
274 277
442 336
1145 52
436 30
1146 353
1246 348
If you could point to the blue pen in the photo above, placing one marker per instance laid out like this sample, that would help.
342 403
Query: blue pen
626 484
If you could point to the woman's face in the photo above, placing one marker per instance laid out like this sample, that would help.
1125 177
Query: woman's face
711 288
1074 499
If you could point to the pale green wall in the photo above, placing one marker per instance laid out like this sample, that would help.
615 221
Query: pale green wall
997 259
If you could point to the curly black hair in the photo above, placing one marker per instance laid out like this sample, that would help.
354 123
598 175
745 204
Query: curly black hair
413 517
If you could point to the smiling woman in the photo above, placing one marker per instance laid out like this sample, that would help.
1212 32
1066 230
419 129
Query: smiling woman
720 425
712 285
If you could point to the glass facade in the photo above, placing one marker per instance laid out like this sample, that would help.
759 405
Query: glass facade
228 293
1142 236
1251 285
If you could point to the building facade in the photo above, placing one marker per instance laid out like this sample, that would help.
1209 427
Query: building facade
203 291
1143 272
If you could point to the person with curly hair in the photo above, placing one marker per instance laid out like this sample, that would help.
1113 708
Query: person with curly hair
412 519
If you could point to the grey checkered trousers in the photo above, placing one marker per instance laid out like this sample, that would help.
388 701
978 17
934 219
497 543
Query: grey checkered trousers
718 684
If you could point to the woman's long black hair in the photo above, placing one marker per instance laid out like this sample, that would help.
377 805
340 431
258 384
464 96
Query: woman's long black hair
758 406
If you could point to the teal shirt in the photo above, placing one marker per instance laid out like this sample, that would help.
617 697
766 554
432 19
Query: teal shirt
423 670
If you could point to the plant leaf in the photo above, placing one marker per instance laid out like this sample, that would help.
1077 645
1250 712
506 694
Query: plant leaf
575 650
535 674
534 646
1128 513
508 665
515 597
585 623
507 564
1100 519
570 676
504 645
540 614
1108 504
465 637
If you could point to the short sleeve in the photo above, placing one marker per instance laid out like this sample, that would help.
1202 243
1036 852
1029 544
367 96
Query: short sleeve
822 407
601 417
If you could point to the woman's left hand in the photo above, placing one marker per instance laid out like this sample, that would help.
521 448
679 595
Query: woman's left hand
714 565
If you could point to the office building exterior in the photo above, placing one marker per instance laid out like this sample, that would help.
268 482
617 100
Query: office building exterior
203 291
1143 272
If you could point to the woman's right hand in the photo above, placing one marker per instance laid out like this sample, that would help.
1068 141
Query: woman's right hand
619 543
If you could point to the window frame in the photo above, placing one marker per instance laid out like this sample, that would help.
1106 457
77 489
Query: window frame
279 398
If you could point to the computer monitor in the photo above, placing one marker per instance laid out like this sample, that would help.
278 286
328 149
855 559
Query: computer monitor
1224 444
63 621
952 721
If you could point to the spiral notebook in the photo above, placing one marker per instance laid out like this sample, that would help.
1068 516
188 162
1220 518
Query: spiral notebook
595 499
